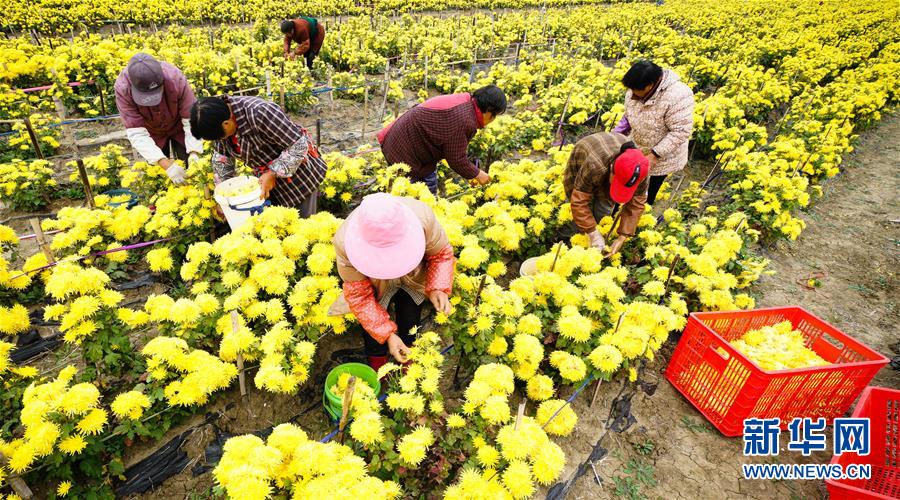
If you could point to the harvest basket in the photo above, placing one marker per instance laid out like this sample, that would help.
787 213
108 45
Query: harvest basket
728 387
882 407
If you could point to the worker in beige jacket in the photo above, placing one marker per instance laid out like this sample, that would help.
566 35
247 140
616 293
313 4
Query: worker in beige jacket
659 117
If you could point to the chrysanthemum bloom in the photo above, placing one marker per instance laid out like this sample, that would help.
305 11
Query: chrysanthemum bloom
562 423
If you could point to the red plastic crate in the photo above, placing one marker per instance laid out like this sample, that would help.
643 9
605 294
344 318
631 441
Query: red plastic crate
727 387
882 407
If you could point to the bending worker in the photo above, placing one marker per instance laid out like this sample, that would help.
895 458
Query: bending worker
392 251
604 169
307 33
154 100
441 129
281 153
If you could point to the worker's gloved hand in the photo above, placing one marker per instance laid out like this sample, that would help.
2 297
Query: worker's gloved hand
597 240
616 246
176 173
192 157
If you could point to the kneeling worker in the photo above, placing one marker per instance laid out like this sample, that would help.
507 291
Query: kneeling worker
605 169
392 250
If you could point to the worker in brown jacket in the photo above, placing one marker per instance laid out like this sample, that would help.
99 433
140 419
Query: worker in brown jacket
308 33
606 169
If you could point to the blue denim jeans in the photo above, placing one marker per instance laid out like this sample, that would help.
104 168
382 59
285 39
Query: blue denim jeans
431 181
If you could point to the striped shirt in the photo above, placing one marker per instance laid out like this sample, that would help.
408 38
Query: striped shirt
267 139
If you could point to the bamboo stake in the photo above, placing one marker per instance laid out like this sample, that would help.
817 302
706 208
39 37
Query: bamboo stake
34 140
41 239
345 407
426 73
268 85
86 183
242 382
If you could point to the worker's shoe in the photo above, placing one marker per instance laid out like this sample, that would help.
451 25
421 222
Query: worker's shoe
377 362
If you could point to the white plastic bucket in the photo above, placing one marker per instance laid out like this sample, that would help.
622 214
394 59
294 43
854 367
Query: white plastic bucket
238 209
529 267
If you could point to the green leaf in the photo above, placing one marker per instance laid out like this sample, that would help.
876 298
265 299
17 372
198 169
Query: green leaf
117 468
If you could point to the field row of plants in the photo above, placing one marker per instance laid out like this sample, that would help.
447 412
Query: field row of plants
779 98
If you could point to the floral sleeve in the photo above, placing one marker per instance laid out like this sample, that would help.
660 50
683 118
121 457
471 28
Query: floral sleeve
291 158
223 166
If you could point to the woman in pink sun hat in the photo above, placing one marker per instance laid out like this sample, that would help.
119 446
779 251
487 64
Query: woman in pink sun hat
392 251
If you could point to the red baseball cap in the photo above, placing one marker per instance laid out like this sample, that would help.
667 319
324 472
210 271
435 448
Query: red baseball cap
629 169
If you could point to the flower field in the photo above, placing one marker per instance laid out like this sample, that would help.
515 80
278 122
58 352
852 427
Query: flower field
782 91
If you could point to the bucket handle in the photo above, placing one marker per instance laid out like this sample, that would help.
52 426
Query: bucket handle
254 210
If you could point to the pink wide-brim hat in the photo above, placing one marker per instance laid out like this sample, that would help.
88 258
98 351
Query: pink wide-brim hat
384 239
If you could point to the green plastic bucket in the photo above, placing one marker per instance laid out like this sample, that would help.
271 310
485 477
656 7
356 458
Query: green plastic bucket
332 401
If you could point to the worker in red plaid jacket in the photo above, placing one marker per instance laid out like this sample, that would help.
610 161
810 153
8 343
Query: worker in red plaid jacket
440 129
280 152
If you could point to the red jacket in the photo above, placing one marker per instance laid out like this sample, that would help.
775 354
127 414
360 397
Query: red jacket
301 37
438 129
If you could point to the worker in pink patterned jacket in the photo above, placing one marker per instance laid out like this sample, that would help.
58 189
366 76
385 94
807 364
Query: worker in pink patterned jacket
392 251
659 117
154 100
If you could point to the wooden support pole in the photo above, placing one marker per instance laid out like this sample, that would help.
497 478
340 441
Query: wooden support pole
212 228
235 326
596 392
102 99
385 88
86 183
520 414
318 132
41 239
330 93
562 120
613 226
16 482
34 140
365 119
268 85
555 257
425 81
281 97
345 407
62 114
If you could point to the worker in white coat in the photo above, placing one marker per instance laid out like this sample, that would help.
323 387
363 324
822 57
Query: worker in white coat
154 101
